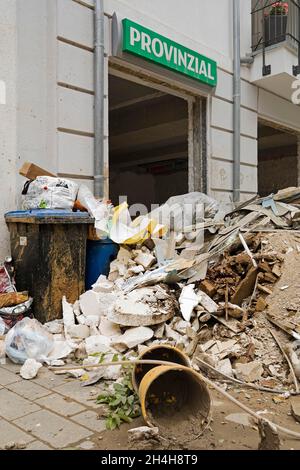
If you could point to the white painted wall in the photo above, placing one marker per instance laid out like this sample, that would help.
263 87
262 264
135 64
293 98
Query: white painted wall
8 118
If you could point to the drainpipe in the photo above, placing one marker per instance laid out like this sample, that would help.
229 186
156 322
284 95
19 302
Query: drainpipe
99 100
236 100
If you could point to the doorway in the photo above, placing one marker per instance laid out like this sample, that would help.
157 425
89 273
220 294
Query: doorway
148 143
277 159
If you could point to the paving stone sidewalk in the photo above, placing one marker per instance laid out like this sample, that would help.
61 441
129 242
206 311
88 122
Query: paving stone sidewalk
48 412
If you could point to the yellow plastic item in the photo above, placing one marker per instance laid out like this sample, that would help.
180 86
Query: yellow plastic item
127 232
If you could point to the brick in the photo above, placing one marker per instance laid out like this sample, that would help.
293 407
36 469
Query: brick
29 390
61 405
13 406
10 433
53 429
90 420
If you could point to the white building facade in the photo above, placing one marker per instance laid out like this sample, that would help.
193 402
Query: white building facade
166 132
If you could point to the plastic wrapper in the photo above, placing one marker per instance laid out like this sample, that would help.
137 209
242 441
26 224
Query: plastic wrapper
28 339
3 327
47 192
100 210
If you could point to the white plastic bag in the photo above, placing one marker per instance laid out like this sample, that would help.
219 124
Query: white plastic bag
28 339
100 210
47 192
185 210
2 327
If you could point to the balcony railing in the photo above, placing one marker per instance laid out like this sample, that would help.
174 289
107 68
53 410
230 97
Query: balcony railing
274 23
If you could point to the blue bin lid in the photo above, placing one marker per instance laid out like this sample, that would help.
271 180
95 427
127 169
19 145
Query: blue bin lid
48 216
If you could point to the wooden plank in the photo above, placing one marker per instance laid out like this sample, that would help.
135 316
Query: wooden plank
31 171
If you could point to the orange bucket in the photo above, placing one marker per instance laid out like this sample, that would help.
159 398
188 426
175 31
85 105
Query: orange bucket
163 352
174 398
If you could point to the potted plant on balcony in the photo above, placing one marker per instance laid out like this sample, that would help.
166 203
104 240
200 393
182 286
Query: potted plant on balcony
276 23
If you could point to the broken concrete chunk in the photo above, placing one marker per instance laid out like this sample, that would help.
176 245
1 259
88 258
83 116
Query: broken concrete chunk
68 314
30 369
79 331
134 336
181 326
136 269
141 307
103 285
124 255
207 303
108 328
225 367
81 319
295 408
117 267
61 349
55 327
89 303
143 433
172 334
76 308
159 331
92 320
249 372
145 259
240 418
97 344
276 270
188 300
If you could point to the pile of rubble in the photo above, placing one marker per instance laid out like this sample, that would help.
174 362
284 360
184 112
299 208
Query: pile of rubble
206 290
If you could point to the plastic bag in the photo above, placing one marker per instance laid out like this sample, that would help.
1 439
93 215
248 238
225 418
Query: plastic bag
2 327
185 210
100 210
28 339
47 192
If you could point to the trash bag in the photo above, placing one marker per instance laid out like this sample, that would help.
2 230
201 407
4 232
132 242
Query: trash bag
28 339
47 192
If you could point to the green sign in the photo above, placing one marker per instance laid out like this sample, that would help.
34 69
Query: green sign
152 46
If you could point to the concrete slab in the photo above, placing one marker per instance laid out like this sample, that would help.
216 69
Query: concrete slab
62 405
48 379
10 433
13 406
7 377
90 420
28 389
84 395
53 429
37 445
